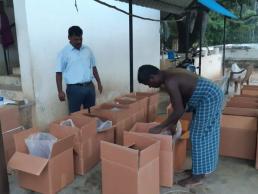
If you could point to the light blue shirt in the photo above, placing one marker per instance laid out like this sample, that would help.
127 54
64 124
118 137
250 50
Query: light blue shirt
76 65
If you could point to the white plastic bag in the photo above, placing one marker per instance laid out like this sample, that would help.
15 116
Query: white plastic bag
178 133
40 144
103 125
68 123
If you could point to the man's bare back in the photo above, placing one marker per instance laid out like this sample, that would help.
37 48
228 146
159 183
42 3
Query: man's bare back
185 80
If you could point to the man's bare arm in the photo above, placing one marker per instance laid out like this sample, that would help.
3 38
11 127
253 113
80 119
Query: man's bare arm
61 94
96 75
177 102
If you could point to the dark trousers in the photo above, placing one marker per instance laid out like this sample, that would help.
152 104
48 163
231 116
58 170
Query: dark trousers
80 94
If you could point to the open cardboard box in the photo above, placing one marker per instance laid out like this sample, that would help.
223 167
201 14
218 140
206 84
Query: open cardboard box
42 175
152 104
165 155
238 136
86 141
139 104
123 119
131 171
172 156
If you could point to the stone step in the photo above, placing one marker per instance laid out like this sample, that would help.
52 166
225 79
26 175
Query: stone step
16 71
11 92
14 80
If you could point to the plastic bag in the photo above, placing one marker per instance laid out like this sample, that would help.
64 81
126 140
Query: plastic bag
68 123
103 125
40 144
115 109
178 133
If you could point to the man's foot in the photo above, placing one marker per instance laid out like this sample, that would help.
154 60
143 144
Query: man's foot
191 181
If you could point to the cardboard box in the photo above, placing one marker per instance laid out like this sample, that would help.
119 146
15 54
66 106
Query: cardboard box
9 117
152 103
86 142
122 119
8 141
10 124
242 104
238 136
135 103
115 112
250 87
240 111
182 144
42 175
165 154
241 98
249 92
130 171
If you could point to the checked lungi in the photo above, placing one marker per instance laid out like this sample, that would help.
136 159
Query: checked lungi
206 104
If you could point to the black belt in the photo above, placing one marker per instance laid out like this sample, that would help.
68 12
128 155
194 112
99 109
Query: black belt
81 84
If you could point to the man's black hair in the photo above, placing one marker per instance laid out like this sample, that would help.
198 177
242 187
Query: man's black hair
75 31
144 73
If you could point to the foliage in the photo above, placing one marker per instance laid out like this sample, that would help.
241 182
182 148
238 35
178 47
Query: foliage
240 31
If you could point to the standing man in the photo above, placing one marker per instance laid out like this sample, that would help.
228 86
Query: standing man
76 63
204 99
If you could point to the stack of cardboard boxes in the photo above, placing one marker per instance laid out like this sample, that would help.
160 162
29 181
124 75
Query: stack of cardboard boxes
131 158
239 125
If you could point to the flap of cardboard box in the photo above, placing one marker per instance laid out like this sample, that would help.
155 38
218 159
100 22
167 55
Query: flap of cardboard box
62 145
149 147
143 128
27 163
63 131
119 154
111 105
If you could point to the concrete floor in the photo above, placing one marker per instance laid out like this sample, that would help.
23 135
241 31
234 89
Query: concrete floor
233 176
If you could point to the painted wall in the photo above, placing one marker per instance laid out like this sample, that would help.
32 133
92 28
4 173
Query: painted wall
42 32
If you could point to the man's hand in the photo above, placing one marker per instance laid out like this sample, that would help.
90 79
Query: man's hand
156 130
61 96
172 129
100 88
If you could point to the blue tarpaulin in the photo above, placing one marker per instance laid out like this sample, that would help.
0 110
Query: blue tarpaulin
214 6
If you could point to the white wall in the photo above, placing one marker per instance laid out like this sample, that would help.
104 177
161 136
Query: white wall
211 66
42 32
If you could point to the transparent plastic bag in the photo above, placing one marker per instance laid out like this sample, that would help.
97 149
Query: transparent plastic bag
68 123
178 133
103 125
40 144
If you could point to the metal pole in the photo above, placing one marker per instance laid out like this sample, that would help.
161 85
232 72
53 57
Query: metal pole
200 49
224 47
187 20
131 43
4 184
